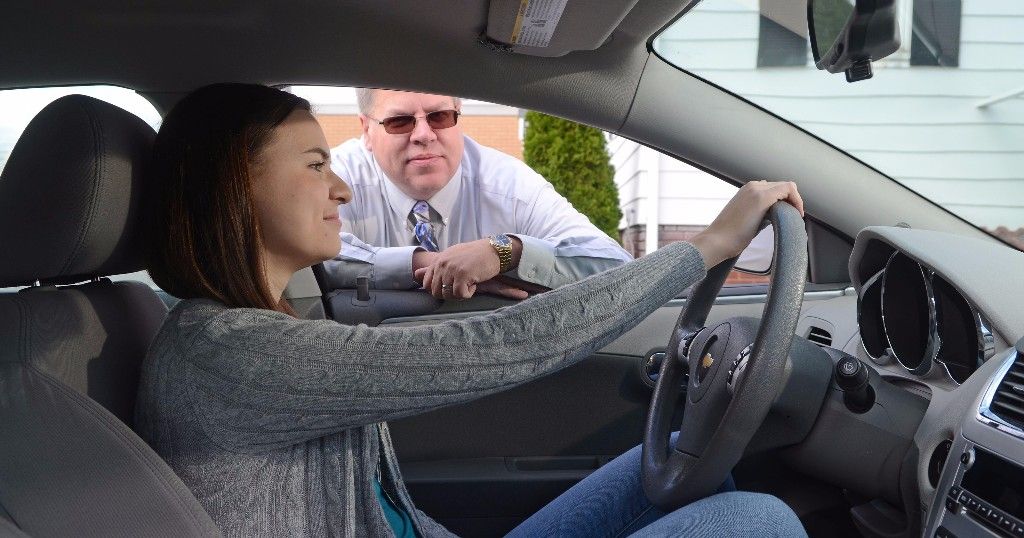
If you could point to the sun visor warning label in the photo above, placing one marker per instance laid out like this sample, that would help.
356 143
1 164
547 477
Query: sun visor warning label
536 22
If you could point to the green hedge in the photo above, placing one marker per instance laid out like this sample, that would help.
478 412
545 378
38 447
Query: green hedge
574 158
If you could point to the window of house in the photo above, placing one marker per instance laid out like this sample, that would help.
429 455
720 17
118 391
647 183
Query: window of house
779 46
781 38
935 38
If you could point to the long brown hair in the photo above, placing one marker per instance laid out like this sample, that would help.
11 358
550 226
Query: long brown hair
206 240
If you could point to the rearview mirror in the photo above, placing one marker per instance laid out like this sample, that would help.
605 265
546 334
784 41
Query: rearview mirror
847 35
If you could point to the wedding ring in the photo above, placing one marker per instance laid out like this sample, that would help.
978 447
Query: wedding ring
446 286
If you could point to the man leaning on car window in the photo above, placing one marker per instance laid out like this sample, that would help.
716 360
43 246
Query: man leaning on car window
420 186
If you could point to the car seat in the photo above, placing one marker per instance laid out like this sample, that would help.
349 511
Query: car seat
71 201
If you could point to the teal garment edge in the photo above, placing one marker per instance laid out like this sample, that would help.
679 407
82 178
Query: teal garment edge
399 521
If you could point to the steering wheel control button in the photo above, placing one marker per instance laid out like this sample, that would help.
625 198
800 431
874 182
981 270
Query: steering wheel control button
953 506
738 368
954 491
852 378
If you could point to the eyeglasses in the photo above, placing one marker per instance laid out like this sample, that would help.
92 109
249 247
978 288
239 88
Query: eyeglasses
442 119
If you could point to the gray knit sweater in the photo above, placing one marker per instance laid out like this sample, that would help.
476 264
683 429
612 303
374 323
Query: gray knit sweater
277 424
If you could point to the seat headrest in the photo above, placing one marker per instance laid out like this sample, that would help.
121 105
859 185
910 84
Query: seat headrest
71 194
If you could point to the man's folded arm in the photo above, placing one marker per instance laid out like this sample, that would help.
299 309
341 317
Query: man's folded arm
388 268
560 244
557 263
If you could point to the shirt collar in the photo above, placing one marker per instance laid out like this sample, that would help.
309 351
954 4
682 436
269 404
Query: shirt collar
443 202
400 203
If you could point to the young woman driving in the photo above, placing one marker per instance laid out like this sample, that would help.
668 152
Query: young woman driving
278 424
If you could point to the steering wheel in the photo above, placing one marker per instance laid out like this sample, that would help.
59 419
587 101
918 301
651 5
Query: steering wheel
721 413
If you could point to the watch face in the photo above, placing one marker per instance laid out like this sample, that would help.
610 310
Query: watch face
503 240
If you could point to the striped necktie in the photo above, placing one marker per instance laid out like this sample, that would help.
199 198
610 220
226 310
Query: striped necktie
423 228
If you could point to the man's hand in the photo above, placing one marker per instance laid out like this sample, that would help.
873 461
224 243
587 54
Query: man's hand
422 259
461 270
503 289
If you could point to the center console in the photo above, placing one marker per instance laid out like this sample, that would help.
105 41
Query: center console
981 490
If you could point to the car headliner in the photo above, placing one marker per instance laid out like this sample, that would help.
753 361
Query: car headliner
171 47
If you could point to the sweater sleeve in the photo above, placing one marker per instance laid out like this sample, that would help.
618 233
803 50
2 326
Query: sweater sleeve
260 380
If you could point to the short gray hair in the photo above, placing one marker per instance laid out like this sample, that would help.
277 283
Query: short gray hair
364 100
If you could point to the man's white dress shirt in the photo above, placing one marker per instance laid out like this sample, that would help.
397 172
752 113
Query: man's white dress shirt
490 193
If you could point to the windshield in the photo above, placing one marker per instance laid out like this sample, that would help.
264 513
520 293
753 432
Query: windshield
944 115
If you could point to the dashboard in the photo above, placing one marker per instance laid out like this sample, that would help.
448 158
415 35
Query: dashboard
937 315
909 314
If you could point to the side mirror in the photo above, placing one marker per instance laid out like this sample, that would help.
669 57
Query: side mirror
847 35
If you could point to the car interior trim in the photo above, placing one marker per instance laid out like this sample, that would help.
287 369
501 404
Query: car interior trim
985 414
933 340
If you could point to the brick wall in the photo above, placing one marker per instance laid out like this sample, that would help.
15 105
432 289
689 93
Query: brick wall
498 132
634 240
338 129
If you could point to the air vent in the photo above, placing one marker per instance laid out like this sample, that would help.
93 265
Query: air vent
820 336
1008 401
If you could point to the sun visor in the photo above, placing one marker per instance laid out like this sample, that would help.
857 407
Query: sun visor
554 27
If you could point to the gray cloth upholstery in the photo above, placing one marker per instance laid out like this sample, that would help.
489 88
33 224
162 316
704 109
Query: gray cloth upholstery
8 529
68 467
70 202
71 184
90 337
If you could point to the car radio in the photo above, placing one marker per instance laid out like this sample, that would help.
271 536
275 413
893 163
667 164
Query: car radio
990 493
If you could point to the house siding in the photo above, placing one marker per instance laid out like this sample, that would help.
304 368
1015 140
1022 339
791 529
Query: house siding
920 125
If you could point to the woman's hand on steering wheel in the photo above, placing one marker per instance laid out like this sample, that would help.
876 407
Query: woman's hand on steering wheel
740 219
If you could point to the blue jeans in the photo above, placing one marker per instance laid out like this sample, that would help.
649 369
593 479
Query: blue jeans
611 503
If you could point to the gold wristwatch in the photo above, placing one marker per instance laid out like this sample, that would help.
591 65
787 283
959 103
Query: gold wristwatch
503 246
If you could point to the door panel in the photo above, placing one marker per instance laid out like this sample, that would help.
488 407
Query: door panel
482 467
503 457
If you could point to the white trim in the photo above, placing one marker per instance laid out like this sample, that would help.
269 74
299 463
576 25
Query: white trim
650 170
999 97
335 109
483 108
